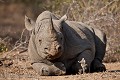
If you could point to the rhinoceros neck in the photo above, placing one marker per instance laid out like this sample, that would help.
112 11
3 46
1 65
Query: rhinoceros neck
77 38
73 34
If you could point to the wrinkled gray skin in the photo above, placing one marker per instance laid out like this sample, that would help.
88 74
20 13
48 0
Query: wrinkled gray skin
56 45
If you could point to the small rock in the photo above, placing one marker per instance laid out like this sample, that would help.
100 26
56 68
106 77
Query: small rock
29 67
7 63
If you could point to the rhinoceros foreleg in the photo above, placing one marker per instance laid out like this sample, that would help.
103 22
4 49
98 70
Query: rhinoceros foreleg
100 43
45 70
78 65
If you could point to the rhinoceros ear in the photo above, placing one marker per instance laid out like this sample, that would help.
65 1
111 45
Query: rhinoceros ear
64 18
29 23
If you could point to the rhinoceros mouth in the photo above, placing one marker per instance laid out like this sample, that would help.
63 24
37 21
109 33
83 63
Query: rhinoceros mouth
52 52
51 57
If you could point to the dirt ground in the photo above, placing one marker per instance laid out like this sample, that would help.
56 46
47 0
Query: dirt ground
17 67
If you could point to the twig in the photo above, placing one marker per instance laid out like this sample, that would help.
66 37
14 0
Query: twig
21 37
16 47
22 34
104 17
70 6
104 7
23 51
87 22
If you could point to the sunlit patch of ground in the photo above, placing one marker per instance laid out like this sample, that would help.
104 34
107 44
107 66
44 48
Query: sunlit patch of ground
21 70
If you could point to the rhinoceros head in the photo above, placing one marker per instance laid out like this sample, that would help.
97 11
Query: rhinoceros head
48 37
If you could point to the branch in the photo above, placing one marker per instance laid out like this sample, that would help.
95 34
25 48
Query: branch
20 44
104 7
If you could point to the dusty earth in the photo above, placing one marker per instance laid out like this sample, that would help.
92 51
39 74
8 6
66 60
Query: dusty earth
17 67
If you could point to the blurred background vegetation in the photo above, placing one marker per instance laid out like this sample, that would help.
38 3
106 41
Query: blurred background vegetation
103 14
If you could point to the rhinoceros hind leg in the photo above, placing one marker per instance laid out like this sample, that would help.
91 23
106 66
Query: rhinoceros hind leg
79 66
97 66
100 43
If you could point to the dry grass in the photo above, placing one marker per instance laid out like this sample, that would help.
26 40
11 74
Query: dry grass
103 14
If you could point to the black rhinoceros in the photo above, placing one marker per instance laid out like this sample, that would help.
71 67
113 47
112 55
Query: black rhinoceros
57 46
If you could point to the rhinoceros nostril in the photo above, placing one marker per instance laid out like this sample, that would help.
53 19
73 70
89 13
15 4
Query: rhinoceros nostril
58 48
46 48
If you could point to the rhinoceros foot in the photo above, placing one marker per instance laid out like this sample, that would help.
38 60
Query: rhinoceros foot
97 66
43 69
60 70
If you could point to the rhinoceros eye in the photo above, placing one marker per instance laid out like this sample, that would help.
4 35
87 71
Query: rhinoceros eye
40 41
46 48
61 38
